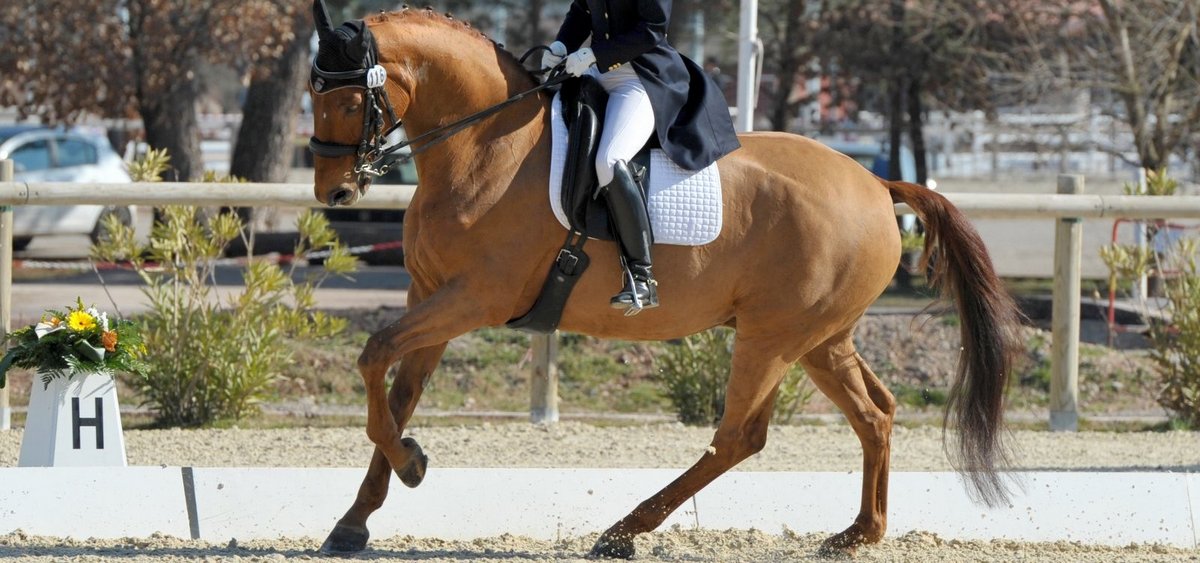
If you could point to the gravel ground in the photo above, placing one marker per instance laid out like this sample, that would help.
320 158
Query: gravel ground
582 445
573 444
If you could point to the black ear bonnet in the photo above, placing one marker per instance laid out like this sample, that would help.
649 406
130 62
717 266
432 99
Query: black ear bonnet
346 49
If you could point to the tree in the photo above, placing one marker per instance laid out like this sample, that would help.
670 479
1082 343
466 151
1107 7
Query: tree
265 138
125 58
1147 56
916 51
788 27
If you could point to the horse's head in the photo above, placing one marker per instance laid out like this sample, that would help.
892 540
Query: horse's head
349 105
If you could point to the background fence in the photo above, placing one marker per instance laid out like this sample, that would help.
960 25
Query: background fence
1070 207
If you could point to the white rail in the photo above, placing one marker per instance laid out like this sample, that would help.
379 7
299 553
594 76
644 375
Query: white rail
381 196
1069 209
396 196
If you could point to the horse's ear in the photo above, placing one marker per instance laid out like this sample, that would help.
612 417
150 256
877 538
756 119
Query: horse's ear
359 44
321 19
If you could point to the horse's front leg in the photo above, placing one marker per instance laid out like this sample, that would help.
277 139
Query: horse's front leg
431 323
350 534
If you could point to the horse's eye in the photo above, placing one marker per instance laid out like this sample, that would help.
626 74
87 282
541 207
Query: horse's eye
353 108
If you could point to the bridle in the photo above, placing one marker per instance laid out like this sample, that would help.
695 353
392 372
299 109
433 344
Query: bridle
372 158
369 151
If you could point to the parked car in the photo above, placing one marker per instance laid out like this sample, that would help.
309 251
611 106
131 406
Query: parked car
42 154
361 227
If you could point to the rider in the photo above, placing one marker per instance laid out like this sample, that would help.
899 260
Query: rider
652 90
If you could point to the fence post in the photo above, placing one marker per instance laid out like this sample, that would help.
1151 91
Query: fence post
543 398
1064 323
6 252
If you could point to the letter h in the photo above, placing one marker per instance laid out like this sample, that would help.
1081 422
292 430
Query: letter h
78 422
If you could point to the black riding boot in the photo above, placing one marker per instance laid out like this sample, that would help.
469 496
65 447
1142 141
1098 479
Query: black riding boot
631 223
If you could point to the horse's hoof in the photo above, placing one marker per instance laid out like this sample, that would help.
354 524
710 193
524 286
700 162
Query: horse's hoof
414 472
613 548
345 539
838 545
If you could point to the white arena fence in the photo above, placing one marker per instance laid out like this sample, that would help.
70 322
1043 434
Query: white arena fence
1070 207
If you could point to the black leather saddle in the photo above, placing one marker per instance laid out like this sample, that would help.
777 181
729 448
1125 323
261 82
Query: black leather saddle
583 104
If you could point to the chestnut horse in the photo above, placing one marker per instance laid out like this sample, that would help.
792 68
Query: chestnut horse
809 242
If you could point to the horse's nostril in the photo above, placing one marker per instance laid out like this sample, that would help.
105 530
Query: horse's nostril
339 197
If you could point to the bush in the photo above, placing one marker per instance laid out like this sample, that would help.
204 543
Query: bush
214 356
1175 344
695 373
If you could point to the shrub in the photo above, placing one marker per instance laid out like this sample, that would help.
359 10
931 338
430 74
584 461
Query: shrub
214 356
1175 344
695 373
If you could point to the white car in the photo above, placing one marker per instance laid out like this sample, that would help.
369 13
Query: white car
41 154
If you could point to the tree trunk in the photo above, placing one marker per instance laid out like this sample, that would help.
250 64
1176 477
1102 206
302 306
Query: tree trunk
535 19
167 104
265 144
895 127
170 122
898 80
789 66
916 129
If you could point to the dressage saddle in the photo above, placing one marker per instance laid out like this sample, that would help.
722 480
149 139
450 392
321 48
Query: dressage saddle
583 102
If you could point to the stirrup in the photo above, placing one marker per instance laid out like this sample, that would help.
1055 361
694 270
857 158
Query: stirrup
635 303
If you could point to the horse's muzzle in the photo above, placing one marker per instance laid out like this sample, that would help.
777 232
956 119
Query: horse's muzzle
342 196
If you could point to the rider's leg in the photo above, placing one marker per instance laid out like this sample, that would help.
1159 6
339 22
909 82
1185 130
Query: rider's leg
628 124
627 206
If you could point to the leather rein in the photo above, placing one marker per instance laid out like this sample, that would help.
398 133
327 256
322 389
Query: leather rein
372 157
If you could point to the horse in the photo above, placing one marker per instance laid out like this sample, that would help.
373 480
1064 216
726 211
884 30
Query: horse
809 241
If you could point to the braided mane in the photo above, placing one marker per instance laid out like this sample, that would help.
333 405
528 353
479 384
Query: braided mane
459 26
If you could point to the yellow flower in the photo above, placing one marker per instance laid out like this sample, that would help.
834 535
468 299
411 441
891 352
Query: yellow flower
81 320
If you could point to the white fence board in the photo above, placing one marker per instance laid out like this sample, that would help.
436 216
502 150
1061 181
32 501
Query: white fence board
1107 508
99 502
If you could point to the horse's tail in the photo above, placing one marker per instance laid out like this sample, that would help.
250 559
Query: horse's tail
988 322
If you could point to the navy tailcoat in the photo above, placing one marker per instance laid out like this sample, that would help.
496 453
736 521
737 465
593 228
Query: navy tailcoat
691 116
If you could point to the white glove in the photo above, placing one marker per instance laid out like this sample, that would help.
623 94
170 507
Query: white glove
579 61
555 55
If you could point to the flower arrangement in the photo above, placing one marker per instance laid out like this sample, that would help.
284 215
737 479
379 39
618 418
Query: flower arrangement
80 340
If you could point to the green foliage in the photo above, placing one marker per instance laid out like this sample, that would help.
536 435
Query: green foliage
1176 351
911 241
217 354
1158 183
1176 343
919 397
696 371
78 341
150 167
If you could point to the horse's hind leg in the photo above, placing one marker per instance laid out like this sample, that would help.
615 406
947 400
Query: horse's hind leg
841 374
757 371
350 534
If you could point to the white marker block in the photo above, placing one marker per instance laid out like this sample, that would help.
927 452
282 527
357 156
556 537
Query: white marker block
73 422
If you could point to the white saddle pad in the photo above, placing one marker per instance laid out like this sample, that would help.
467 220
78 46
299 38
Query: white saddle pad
684 205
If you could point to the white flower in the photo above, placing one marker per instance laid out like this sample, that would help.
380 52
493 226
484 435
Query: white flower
43 328
101 318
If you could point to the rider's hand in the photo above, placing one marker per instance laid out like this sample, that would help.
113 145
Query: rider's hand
579 61
555 55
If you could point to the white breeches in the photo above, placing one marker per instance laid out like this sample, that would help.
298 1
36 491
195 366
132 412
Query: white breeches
628 119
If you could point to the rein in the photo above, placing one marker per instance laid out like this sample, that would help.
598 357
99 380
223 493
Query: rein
373 159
